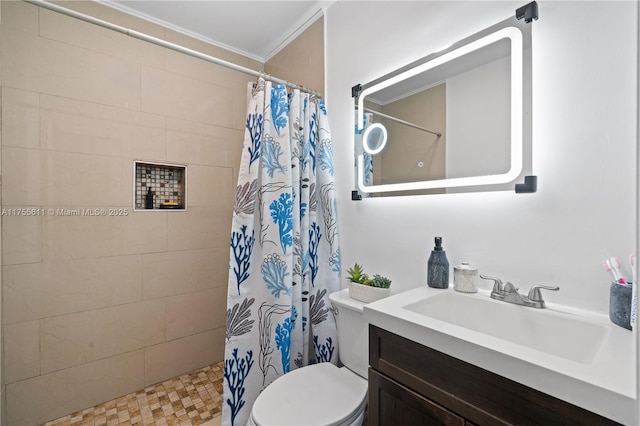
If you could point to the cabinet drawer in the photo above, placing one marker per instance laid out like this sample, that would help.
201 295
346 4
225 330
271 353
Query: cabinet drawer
478 395
390 403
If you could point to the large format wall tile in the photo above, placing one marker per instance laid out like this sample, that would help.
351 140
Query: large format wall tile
177 96
178 272
218 309
46 66
180 356
42 290
194 313
61 179
56 26
18 15
199 143
21 236
76 339
188 66
53 395
21 350
210 186
299 60
84 237
191 67
239 120
20 118
236 82
117 17
199 227
83 127
20 187
209 49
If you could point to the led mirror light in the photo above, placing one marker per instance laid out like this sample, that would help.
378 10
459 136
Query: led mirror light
515 37
374 138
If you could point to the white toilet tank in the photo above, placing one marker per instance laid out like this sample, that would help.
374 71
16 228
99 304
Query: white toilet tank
353 332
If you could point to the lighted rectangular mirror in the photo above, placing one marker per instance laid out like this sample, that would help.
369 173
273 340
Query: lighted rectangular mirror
456 120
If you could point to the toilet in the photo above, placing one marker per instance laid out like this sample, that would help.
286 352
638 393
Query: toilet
323 394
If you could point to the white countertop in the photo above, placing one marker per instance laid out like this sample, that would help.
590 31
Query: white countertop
605 385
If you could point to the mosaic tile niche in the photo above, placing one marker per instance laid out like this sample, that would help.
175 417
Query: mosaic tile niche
167 183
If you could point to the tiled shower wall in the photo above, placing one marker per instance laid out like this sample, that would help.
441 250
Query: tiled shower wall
302 60
97 306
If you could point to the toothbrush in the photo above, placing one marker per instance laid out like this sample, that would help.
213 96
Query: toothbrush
615 266
634 291
606 264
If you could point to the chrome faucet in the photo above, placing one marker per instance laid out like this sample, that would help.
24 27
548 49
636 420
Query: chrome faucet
507 292
498 287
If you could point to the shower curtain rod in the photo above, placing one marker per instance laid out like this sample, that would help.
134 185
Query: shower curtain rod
168 45
406 123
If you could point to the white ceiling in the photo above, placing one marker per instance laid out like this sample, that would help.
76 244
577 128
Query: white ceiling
258 29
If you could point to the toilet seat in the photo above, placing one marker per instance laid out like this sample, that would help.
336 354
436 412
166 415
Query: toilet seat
320 394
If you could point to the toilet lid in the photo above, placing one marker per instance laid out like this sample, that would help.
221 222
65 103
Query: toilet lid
320 394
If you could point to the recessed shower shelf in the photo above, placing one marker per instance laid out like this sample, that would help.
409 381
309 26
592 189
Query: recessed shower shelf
166 183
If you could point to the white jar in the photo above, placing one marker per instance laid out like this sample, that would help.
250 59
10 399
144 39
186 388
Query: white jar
464 278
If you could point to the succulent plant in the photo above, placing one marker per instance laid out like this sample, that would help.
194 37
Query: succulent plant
380 281
357 275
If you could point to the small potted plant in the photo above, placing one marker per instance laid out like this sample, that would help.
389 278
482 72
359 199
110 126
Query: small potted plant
364 288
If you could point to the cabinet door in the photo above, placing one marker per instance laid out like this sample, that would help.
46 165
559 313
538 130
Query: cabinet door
471 392
391 404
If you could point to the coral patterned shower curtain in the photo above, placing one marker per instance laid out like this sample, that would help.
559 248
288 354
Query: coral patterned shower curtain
284 257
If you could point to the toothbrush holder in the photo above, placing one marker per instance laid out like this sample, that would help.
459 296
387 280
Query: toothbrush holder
620 304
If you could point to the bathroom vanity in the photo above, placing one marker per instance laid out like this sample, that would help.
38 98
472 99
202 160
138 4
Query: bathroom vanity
411 384
441 357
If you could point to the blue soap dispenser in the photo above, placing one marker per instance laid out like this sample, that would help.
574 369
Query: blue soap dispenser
438 267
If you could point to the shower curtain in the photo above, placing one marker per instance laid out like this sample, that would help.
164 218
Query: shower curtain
284 257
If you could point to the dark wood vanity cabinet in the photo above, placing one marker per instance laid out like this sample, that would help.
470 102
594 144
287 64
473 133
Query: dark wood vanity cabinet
411 384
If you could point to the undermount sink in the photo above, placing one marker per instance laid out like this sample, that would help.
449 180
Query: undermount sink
571 338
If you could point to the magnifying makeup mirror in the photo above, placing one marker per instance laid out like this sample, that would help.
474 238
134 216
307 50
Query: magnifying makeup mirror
374 138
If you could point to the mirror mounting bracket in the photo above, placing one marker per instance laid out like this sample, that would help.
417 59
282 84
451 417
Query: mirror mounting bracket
355 196
355 90
529 186
529 12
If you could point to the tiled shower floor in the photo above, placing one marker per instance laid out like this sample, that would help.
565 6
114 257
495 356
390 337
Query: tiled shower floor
191 399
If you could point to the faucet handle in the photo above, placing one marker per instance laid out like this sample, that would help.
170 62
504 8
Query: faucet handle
498 287
536 296
509 287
